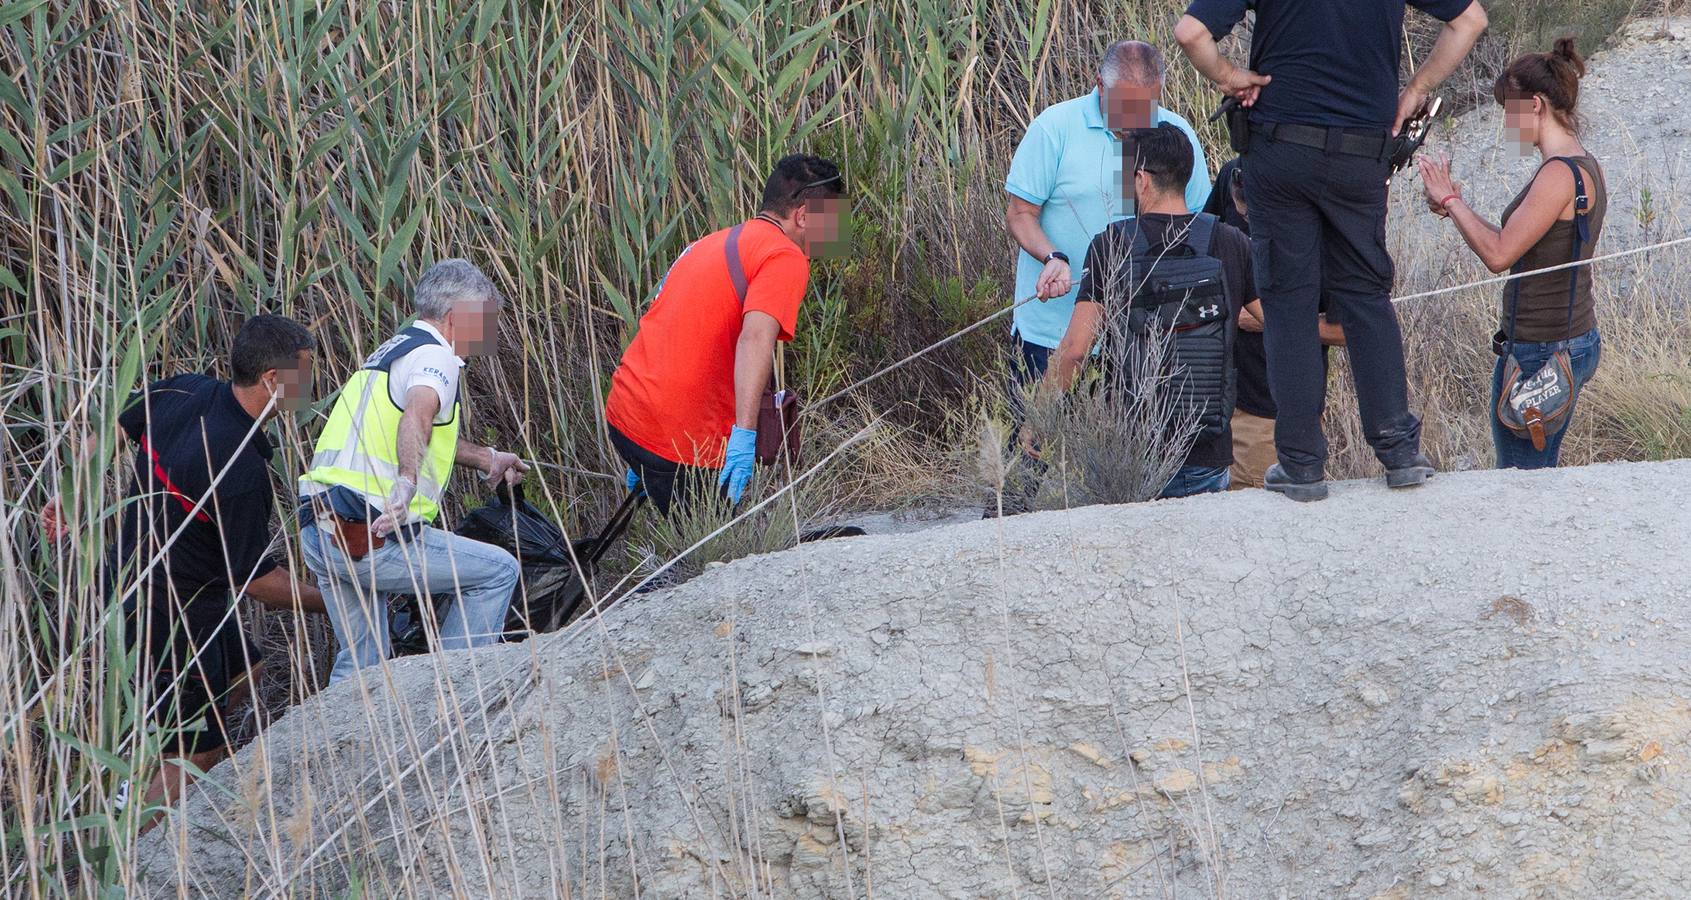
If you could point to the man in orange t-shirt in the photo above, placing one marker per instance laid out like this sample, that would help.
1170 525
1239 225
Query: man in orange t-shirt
685 397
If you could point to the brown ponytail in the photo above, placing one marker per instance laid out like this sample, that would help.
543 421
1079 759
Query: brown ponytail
1554 76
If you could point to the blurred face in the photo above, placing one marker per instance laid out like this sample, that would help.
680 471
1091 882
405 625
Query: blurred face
291 385
1128 105
475 327
1521 121
824 224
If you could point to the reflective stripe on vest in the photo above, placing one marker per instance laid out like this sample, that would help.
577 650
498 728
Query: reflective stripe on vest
359 447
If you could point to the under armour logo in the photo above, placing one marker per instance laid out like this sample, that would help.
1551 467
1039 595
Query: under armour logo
1209 312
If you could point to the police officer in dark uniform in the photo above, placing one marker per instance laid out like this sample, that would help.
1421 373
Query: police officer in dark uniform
1324 106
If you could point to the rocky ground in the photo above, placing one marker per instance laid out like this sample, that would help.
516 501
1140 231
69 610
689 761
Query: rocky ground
1479 686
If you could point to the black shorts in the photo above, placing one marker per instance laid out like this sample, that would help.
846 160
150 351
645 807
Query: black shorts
193 666
665 482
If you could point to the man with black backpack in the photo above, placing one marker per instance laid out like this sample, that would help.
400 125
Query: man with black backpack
1176 277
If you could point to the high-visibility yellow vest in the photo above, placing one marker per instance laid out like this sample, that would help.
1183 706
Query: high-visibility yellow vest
359 448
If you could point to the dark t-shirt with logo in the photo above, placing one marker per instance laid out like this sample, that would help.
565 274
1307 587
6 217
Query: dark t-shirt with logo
1113 248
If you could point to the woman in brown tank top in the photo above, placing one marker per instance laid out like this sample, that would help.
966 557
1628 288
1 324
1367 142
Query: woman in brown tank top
1552 312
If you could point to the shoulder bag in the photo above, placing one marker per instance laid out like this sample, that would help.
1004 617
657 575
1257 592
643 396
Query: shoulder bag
1535 407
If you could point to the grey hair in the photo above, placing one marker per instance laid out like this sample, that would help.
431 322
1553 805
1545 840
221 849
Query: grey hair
448 282
1136 61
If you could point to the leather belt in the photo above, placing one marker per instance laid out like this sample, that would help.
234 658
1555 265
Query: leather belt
1333 140
355 539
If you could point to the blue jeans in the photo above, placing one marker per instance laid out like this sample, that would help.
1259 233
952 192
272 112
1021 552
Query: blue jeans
1514 452
433 562
1193 480
1031 362
1026 370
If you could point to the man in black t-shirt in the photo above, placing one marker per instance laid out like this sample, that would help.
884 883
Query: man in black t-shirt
1324 104
196 532
1160 161
1253 405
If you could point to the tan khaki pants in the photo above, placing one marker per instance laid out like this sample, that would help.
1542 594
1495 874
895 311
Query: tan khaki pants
1253 449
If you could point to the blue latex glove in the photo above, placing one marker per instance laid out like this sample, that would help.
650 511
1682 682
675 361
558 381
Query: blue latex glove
631 480
737 466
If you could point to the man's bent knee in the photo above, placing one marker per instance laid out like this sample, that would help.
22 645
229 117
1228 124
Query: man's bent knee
506 568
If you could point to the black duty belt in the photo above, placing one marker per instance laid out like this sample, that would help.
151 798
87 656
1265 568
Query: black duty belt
1332 140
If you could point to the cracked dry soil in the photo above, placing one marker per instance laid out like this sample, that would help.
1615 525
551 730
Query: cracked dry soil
1477 686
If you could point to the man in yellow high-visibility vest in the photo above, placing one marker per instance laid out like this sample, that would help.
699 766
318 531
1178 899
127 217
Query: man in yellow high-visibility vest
369 501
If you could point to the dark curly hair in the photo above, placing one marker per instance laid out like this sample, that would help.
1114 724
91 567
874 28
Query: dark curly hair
798 178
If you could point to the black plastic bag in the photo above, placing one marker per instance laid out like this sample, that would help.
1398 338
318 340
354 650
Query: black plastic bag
511 523
551 586
555 571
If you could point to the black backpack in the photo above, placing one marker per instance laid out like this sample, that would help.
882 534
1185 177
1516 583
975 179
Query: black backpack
1176 290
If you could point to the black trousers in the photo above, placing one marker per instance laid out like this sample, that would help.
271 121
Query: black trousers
194 658
666 482
1319 218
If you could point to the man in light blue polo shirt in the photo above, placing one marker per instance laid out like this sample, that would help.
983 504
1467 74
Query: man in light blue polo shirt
1065 186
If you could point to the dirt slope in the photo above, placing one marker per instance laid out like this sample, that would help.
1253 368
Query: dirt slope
1480 685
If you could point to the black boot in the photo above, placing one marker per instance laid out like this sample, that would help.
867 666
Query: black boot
1276 480
1413 473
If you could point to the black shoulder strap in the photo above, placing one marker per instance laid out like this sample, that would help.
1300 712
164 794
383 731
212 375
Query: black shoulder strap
406 341
736 268
1141 245
1582 205
1139 248
1582 234
1201 234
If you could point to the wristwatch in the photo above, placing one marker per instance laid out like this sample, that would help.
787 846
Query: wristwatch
1055 254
